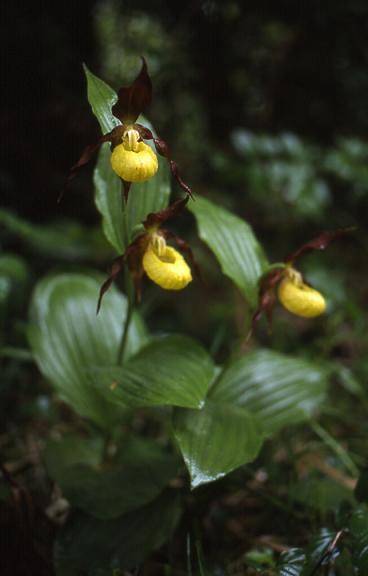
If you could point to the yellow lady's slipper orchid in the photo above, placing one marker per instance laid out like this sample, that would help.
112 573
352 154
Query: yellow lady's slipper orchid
148 253
166 266
298 297
133 160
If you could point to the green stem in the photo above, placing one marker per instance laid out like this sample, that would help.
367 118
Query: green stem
335 447
128 317
128 289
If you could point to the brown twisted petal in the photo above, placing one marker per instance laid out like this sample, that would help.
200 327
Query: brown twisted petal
134 99
320 242
163 149
114 136
155 219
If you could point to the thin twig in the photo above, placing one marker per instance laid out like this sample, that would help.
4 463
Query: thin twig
335 447
328 551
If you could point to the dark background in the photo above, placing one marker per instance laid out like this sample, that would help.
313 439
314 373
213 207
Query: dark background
265 107
263 104
268 66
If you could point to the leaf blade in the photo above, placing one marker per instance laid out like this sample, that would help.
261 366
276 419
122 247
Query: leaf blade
134 477
234 244
86 544
101 98
280 390
216 440
172 370
67 337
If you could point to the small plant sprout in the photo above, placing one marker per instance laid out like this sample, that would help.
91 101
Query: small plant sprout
292 291
131 159
149 254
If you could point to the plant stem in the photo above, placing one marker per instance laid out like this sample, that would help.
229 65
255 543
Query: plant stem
128 317
340 452
128 288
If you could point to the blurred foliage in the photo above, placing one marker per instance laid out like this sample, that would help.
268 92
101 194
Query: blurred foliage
264 106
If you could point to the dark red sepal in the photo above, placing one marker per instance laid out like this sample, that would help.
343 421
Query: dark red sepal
320 242
133 258
114 137
157 218
267 297
134 99
116 268
163 149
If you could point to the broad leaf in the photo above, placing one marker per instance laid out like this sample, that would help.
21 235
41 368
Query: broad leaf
144 197
108 188
136 475
280 390
70 450
147 197
216 440
109 201
258 393
173 370
232 240
95 547
68 338
101 98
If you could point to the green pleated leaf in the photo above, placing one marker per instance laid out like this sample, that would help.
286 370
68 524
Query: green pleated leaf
216 440
69 450
280 390
234 244
86 545
147 197
108 187
291 563
316 552
108 200
144 197
67 338
137 474
256 394
101 98
173 370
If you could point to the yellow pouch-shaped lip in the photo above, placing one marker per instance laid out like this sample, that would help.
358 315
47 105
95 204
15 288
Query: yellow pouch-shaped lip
301 299
169 270
134 166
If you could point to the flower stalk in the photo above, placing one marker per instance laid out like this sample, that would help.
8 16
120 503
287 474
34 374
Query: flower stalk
128 317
